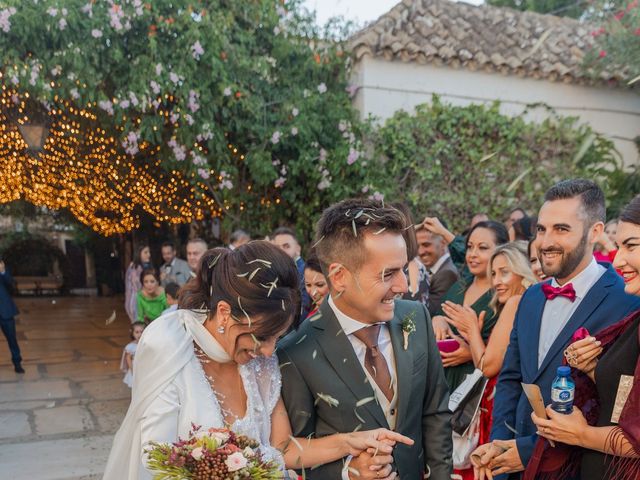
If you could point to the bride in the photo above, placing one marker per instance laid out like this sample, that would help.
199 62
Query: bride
211 363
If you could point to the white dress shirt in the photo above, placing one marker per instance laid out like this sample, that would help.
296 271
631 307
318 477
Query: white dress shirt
558 311
389 408
436 266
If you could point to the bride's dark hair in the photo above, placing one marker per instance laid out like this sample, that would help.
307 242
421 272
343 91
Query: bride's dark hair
258 280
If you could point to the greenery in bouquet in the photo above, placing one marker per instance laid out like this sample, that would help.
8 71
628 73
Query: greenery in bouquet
213 454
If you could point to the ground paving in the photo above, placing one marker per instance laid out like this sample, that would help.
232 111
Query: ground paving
57 421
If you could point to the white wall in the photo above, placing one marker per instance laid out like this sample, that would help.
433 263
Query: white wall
386 87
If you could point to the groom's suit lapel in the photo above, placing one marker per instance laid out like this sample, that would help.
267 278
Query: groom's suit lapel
404 368
339 353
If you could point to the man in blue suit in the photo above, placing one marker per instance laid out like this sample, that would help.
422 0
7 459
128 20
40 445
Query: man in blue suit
581 293
8 311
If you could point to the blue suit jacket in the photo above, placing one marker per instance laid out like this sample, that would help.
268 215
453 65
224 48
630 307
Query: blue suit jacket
605 304
8 308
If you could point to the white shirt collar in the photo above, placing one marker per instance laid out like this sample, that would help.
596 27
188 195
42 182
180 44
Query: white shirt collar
583 281
348 324
438 264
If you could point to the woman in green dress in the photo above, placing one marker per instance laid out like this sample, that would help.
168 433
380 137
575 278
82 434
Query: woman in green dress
476 293
152 300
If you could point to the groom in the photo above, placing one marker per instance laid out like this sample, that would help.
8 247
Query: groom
367 360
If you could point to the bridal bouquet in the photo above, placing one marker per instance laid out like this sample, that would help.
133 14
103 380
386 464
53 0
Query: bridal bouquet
213 454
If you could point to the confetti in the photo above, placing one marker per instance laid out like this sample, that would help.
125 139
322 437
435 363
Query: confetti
301 339
355 411
314 354
265 262
364 401
111 318
379 231
317 243
241 275
253 274
334 270
355 230
243 311
212 263
332 402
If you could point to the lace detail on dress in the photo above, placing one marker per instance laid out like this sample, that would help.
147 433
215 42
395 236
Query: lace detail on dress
261 380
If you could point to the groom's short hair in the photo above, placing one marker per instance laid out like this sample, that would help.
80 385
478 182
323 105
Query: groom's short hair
342 227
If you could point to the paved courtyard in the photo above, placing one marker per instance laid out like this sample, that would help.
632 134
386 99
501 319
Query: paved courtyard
57 421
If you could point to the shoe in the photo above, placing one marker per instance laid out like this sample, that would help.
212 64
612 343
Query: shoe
18 368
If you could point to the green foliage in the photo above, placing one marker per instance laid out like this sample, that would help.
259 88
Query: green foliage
617 40
241 96
563 8
455 161
32 255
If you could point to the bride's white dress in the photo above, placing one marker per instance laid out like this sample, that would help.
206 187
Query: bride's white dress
171 392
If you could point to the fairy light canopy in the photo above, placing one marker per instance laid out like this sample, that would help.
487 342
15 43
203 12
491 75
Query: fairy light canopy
59 156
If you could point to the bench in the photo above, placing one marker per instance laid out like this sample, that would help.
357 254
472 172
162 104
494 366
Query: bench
38 285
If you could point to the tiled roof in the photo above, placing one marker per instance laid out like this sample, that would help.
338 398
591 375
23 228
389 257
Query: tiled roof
482 37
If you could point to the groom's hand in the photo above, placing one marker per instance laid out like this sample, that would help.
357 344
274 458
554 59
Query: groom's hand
366 467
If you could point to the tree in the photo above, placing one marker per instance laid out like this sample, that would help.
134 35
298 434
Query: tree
454 161
563 8
238 105
617 41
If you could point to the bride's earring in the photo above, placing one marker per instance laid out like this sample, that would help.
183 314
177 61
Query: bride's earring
221 329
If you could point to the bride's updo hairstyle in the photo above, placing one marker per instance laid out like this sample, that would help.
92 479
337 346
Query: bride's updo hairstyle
258 280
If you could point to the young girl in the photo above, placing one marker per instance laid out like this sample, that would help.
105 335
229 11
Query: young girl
152 300
126 364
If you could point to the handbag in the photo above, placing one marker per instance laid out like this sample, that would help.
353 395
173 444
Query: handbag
464 403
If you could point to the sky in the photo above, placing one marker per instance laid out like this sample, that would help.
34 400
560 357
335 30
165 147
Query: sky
361 11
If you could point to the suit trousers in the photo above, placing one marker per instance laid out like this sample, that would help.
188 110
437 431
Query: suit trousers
9 329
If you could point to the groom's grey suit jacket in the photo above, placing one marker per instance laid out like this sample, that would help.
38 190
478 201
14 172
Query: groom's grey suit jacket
323 381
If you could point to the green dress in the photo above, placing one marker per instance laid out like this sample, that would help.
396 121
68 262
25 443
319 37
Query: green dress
455 375
151 308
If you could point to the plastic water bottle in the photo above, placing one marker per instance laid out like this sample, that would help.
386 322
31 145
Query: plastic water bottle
562 391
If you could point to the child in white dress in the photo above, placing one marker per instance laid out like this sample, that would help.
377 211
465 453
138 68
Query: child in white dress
126 364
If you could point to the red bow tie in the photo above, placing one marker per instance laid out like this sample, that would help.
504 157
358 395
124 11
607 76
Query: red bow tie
552 292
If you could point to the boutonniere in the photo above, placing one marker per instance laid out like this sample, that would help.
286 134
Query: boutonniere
408 327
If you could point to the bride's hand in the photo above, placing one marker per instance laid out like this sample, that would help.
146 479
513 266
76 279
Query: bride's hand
379 440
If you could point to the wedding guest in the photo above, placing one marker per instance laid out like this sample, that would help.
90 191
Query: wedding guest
581 293
521 229
606 249
434 254
216 368
195 249
8 311
126 363
514 215
238 238
416 272
151 299
174 269
536 265
604 439
315 283
476 294
171 291
132 284
368 359
511 275
286 239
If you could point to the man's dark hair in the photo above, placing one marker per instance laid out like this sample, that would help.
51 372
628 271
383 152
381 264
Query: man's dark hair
591 198
238 235
284 231
342 227
172 289
169 244
524 228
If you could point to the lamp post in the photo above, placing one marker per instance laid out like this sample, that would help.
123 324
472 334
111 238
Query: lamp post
34 135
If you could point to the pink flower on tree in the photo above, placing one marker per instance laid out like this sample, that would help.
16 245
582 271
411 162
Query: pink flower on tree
204 174
155 88
95 33
322 88
602 54
279 183
5 15
353 156
197 50
275 138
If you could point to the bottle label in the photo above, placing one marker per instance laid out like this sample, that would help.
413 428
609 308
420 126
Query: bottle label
562 396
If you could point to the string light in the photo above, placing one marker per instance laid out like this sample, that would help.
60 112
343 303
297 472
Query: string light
81 167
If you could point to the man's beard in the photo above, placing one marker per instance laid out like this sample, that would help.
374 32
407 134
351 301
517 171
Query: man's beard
569 262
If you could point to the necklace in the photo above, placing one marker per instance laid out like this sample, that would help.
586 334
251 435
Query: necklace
226 412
